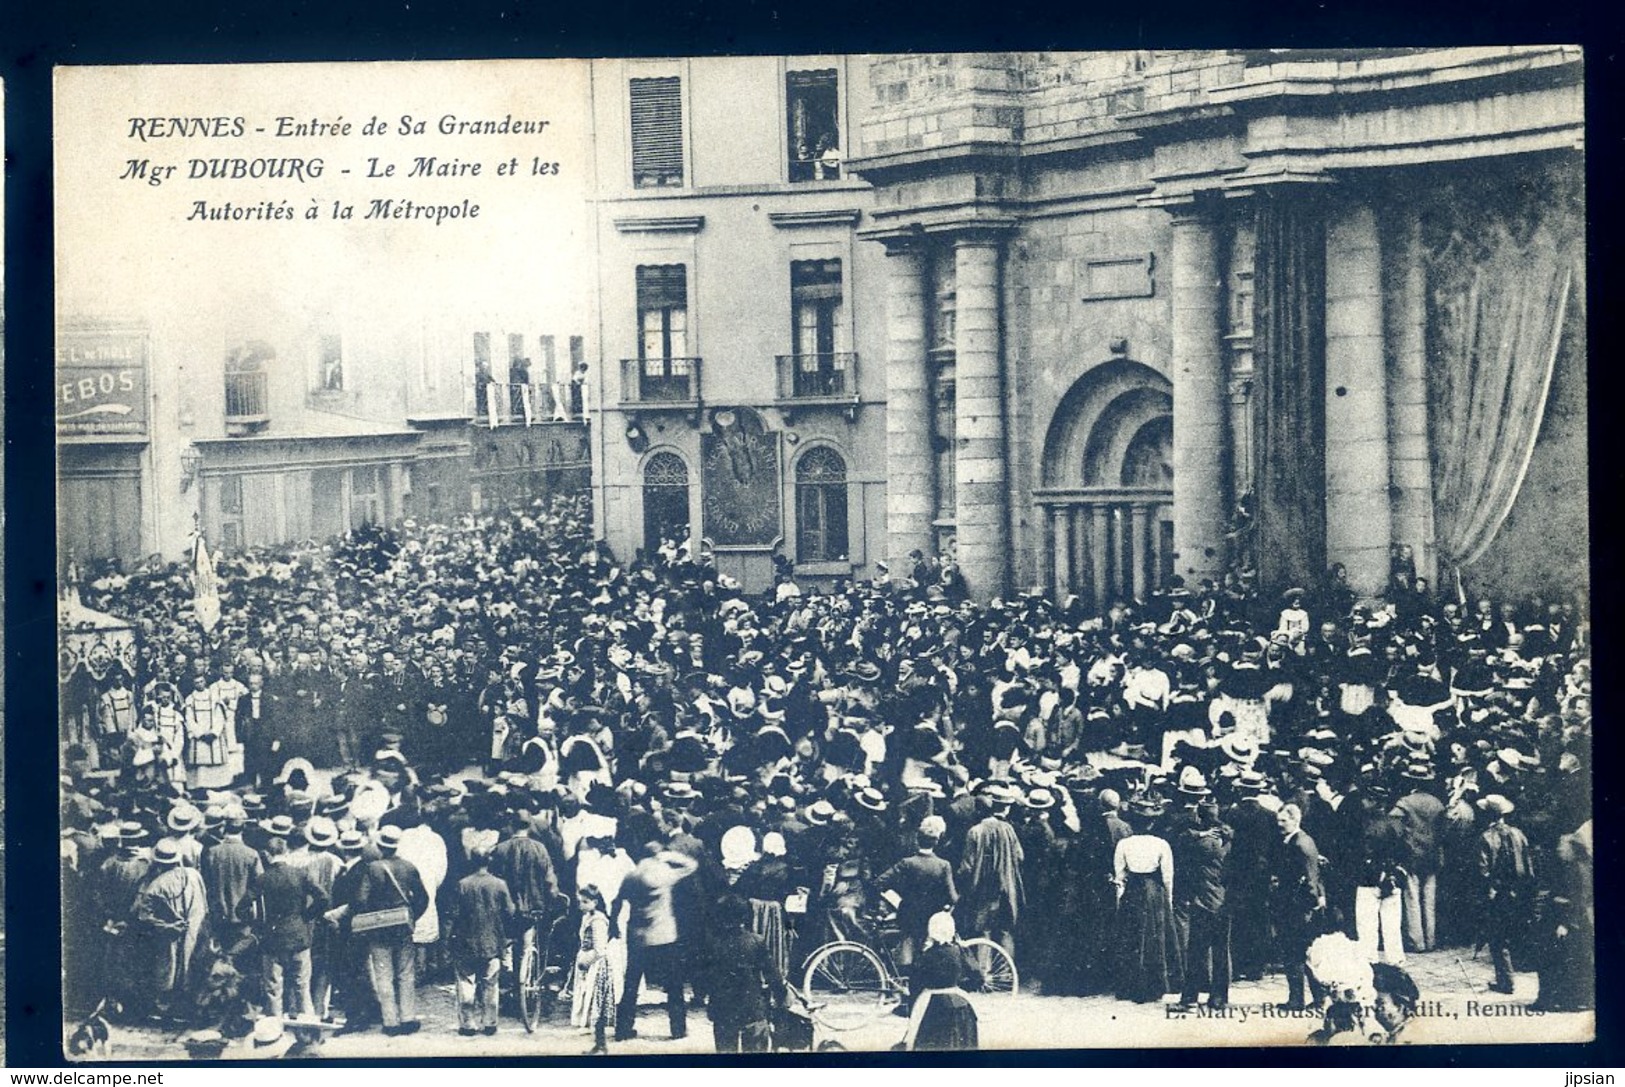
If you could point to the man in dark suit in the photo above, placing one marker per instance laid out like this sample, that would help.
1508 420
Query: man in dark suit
922 885
258 730
1247 876
1298 897
386 883
290 900
482 914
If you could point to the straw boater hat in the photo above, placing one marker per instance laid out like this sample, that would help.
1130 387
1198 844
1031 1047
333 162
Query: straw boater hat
183 818
280 826
872 799
1192 783
820 813
1497 804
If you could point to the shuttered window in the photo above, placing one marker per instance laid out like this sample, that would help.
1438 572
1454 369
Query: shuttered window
657 132
663 318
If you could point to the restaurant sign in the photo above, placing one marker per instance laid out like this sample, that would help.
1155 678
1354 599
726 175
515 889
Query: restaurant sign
101 381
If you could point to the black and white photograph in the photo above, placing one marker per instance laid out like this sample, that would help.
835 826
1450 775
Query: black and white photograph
781 554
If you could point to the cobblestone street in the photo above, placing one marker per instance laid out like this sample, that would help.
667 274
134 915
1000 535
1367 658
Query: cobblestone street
1455 1006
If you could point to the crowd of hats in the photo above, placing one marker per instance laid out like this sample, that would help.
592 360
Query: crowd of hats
879 697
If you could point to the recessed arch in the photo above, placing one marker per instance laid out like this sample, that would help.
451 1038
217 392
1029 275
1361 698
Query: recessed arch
1107 485
1099 406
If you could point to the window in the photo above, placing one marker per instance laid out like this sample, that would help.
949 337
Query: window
812 101
366 506
657 132
821 506
663 332
815 295
231 512
247 396
332 360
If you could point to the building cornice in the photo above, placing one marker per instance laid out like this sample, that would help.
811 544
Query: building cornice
660 224
833 217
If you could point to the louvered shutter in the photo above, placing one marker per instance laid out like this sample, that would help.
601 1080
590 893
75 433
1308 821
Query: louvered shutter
657 131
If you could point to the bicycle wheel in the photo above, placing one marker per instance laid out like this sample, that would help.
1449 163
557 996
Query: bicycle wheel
529 984
846 985
994 963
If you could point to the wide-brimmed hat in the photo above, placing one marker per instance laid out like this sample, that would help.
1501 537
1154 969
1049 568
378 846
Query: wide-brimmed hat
870 798
1251 781
1497 804
322 832
820 813
166 852
1148 806
678 792
183 818
279 825
1192 783
1039 799
352 841
388 838
865 671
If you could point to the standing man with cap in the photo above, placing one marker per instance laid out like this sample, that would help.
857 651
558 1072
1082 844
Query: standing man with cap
171 910
1506 868
990 870
482 913
919 886
1201 850
289 902
1298 896
231 872
386 884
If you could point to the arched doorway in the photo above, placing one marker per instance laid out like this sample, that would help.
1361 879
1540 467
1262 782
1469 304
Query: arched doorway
1107 486
665 500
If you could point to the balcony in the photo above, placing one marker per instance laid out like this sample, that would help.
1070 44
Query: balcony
661 384
519 404
825 380
248 402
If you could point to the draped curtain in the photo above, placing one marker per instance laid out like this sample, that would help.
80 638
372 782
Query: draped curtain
1502 265
1289 463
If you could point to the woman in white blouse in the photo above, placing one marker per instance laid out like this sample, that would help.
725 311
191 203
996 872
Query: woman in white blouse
1147 966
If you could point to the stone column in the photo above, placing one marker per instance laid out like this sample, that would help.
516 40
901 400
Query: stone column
1156 546
1051 566
1357 505
1411 467
1199 398
1098 525
981 493
1079 547
910 475
1139 575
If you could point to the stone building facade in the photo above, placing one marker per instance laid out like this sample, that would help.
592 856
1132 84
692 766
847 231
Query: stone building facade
739 385
1175 313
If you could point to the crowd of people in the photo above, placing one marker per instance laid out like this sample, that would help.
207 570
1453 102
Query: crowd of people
401 755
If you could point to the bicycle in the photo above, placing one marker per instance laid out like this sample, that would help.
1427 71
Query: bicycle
535 969
849 983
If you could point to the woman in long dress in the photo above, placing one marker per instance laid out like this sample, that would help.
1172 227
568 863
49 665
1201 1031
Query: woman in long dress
593 1002
1148 953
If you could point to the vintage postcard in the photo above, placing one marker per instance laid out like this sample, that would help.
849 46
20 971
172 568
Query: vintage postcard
805 553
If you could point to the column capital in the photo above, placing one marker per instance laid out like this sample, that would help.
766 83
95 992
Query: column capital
982 235
1186 208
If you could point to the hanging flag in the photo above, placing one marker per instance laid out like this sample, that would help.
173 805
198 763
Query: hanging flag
205 588
491 403
524 396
